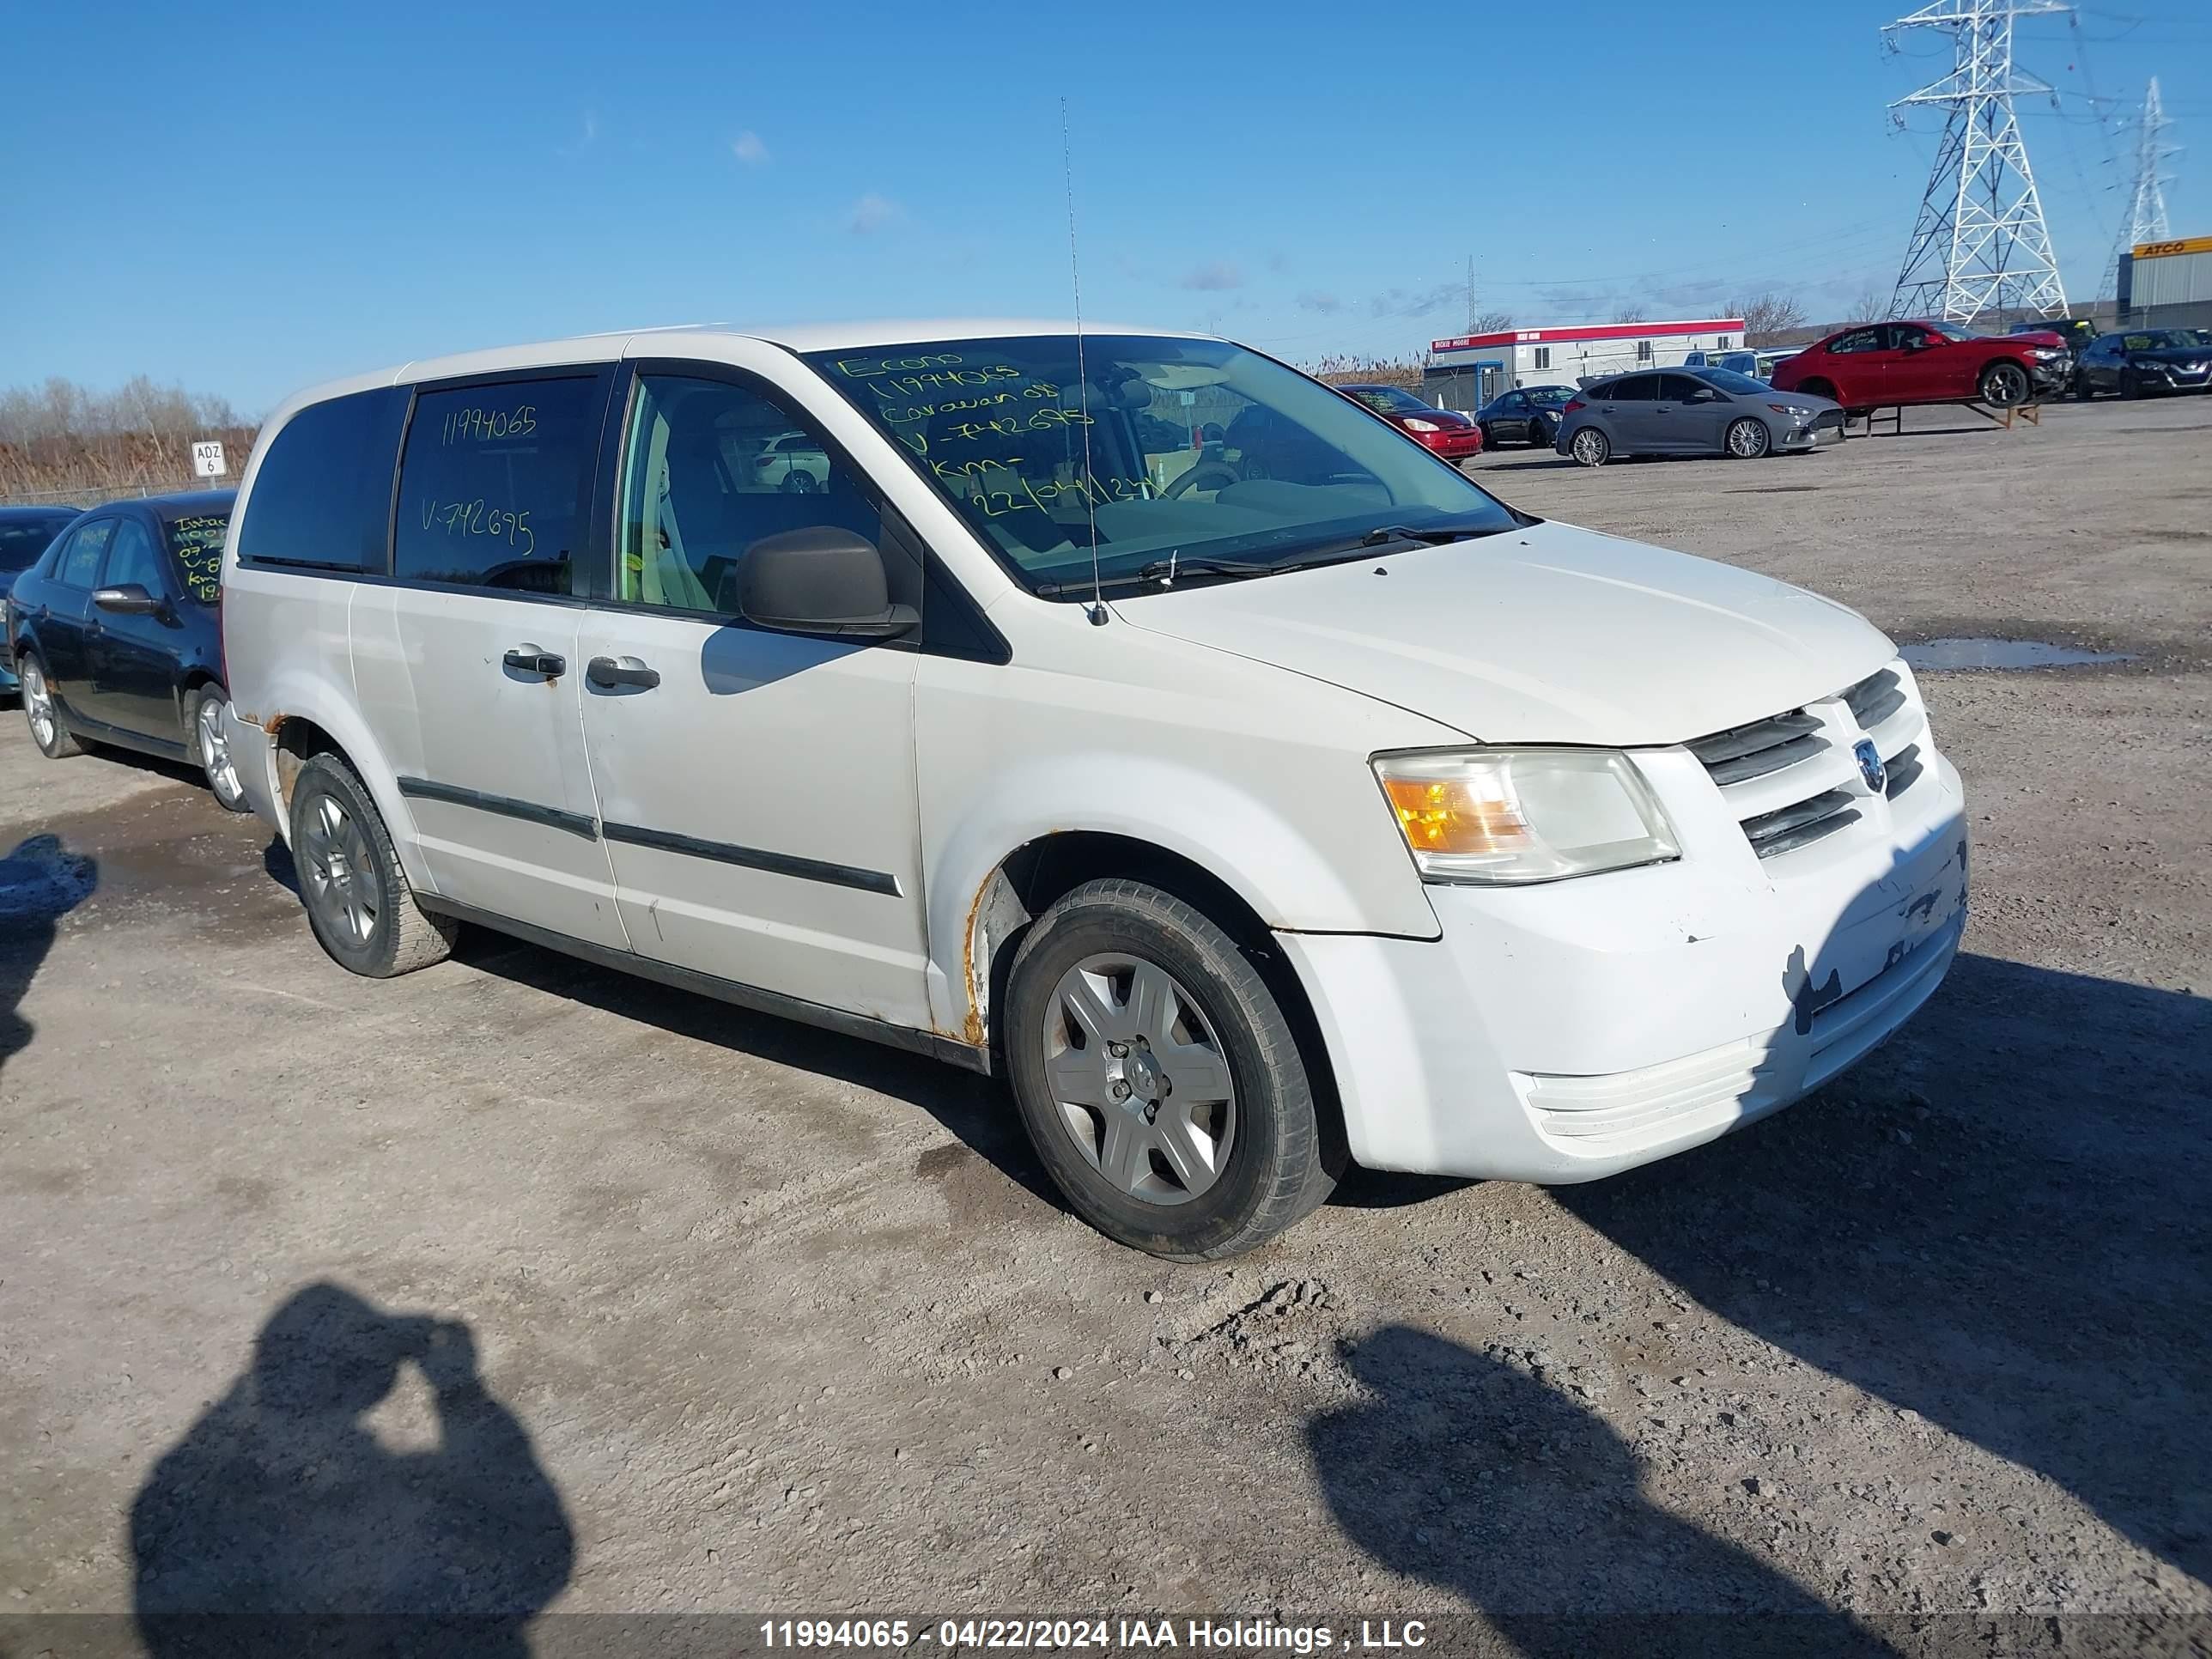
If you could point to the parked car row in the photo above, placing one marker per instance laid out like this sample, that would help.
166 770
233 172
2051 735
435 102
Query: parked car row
2131 363
1154 798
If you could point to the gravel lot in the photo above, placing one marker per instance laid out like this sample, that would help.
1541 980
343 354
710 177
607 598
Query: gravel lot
770 1321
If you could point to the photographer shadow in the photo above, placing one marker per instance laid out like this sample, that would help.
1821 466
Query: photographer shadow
281 1525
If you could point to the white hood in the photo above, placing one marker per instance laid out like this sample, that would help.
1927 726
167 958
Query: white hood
1548 635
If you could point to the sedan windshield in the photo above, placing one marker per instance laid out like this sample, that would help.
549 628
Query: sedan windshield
1388 399
1729 381
2163 339
1550 397
22 540
1170 452
198 544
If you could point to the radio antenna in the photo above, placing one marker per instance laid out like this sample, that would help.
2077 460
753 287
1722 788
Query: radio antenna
1097 611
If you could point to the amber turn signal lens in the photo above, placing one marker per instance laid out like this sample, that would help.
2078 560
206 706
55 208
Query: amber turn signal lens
1444 815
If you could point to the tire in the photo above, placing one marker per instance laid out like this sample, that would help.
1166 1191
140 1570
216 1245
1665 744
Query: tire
800 482
2079 389
357 898
209 747
1489 438
1747 438
2130 387
1589 446
1537 438
1229 1167
2003 386
40 713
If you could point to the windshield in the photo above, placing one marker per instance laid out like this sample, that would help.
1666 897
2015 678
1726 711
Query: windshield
1388 398
198 544
1192 449
22 540
1949 332
1729 381
1551 397
2162 339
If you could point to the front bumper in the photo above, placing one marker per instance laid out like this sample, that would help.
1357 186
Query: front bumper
1564 1032
2052 376
1452 446
2171 377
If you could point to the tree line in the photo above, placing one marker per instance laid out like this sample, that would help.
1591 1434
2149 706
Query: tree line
64 437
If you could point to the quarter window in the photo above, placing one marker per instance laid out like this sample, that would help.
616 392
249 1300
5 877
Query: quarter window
131 558
1636 389
492 484
710 468
322 494
80 563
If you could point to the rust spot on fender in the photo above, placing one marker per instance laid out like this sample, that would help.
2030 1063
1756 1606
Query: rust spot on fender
971 1030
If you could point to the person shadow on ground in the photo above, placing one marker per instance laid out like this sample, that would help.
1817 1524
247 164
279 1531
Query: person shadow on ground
40 883
280 1525
1477 1476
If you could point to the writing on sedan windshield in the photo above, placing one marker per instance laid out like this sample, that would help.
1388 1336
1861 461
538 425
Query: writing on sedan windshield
198 543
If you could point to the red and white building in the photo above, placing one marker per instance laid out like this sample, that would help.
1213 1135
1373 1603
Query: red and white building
1568 355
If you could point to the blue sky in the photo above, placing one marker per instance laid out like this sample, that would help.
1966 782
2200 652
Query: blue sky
282 193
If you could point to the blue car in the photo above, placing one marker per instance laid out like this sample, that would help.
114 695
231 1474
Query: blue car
116 634
25 533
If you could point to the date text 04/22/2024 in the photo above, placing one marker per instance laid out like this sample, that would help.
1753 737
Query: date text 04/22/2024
1064 1635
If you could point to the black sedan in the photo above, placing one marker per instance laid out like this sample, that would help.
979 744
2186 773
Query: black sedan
2146 360
116 633
1528 415
25 533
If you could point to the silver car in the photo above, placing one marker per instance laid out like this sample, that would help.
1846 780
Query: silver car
1692 411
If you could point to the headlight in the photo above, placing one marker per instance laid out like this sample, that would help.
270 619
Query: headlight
2045 353
1522 815
1423 426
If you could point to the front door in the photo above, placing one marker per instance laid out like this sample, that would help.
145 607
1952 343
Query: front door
133 658
1700 412
465 664
755 788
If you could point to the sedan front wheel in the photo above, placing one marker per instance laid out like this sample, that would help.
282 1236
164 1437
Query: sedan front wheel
1748 439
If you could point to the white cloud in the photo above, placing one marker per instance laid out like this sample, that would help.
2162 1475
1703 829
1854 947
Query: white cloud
748 148
871 212
1212 278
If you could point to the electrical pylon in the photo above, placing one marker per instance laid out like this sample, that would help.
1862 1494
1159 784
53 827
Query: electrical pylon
2145 221
1980 243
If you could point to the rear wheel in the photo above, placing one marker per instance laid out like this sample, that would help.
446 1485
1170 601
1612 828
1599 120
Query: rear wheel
358 900
1157 1075
210 746
1590 446
44 718
2004 385
1748 439
1489 438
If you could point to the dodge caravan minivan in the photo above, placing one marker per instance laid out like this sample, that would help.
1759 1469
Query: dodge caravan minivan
1122 712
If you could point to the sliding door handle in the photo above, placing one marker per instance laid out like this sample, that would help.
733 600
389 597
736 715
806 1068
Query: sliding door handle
608 672
530 659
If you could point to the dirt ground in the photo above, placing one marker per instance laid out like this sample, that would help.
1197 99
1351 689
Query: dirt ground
744 1318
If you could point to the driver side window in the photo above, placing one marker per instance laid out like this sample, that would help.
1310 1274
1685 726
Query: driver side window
492 482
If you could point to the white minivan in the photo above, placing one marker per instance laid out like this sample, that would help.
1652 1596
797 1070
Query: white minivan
1122 711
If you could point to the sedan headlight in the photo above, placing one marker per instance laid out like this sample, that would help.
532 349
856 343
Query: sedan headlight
1524 815
1422 426
2045 354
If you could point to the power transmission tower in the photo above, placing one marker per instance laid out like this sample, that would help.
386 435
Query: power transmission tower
2145 221
1980 243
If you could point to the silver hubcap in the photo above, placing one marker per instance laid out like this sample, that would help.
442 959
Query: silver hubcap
1747 438
215 751
38 705
339 871
1140 1079
1589 447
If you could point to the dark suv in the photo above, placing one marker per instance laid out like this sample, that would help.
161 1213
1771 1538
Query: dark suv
116 634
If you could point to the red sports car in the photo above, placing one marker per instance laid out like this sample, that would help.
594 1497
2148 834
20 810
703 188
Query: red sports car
1885 365
1446 431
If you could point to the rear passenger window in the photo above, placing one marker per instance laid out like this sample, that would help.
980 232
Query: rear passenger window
492 485
1636 389
80 561
322 496
710 468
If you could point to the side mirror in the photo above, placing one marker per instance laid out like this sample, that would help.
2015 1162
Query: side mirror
1705 395
129 600
821 580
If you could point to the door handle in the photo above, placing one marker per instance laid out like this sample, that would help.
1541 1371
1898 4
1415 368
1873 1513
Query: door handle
530 659
608 672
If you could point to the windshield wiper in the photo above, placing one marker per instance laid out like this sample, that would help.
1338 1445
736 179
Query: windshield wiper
1435 534
1161 570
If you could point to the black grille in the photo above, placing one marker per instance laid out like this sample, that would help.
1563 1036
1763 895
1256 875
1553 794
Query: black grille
1876 698
1792 827
1904 766
1763 746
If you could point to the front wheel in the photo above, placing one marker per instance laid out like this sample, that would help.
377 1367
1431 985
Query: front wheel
2130 387
1157 1077
211 741
1590 446
41 713
2004 385
1538 437
358 900
1748 439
